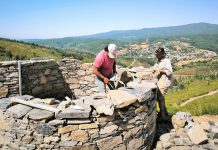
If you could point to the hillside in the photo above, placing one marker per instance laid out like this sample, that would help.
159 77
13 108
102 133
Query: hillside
200 35
16 50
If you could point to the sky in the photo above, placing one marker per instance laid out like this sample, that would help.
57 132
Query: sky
43 19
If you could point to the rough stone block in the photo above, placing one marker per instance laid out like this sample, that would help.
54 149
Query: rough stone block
197 135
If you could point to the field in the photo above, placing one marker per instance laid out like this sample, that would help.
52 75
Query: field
14 50
203 80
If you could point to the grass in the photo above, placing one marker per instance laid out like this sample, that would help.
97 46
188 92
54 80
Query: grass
204 105
192 89
25 50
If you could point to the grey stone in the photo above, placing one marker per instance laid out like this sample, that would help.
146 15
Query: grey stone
25 97
73 113
45 129
214 132
56 122
38 114
18 110
5 103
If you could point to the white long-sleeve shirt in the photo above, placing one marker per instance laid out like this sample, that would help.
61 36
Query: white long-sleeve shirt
165 80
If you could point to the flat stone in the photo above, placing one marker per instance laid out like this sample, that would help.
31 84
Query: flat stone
197 135
68 128
5 103
121 98
38 114
73 113
18 110
142 93
56 122
78 121
88 126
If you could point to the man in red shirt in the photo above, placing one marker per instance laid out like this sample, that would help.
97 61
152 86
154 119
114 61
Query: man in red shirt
104 67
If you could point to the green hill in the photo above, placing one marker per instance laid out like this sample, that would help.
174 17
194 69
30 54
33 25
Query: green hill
17 50
201 35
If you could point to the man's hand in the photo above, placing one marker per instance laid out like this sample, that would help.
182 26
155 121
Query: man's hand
106 80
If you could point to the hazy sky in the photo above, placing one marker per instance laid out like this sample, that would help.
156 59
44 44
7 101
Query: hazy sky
21 19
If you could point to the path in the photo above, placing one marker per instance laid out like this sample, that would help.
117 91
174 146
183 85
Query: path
194 98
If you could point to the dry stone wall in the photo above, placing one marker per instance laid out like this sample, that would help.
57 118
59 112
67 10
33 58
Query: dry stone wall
104 122
48 78
121 119
78 76
8 79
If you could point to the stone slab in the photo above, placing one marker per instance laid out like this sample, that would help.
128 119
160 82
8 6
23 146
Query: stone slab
5 103
38 114
73 113
197 135
121 98
18 110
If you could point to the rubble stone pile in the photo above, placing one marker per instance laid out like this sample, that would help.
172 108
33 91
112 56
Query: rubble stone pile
121 119
189 135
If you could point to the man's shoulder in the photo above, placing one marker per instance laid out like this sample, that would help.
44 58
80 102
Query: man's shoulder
166 60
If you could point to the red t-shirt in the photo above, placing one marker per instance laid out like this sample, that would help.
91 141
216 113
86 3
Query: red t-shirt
104 63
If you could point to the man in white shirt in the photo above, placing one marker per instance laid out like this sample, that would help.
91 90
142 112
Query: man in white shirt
163 71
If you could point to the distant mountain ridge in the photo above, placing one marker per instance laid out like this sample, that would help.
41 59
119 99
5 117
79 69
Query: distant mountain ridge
93 42
189 29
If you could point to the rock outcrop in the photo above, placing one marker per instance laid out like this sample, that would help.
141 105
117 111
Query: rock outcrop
189 135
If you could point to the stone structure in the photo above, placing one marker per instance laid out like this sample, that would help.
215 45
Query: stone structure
121 119
47 78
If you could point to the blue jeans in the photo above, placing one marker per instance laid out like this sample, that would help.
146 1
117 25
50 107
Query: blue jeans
102 85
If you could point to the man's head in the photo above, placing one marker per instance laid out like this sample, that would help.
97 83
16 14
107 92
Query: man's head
160 53
112 50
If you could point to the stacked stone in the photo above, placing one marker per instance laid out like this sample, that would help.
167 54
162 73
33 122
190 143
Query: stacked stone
43 79
8 78
189 135
79 76
99 121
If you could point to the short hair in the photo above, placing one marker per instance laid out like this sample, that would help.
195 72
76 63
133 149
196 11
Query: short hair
160 50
